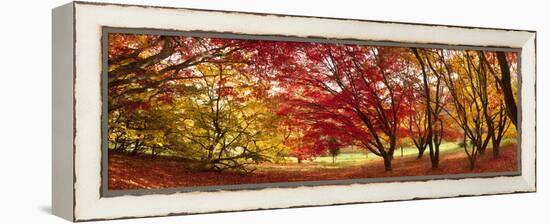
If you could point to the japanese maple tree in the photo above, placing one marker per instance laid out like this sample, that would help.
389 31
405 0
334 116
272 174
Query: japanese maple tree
349 93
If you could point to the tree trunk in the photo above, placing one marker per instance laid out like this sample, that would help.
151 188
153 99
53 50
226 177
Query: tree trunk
136 148
299 160
482 152
153 151
505 81
387 162
430 115
210 155
420 153
437 156
496 149
472 163
476 148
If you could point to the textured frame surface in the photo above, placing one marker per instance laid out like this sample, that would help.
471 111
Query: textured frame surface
90 20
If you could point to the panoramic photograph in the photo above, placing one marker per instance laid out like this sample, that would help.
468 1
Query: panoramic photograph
196 111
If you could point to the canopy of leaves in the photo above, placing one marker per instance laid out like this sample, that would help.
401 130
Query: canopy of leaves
227 103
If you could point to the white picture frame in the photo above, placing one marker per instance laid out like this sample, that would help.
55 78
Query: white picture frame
77 110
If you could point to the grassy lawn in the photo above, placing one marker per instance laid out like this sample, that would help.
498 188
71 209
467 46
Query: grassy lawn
347 158
352 158
356 158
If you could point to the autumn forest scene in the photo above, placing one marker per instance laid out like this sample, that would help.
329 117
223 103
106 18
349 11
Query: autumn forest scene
187 111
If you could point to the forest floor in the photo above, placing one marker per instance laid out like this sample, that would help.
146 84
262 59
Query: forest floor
142 172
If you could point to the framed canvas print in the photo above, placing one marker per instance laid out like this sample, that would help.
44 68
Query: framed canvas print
164 111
